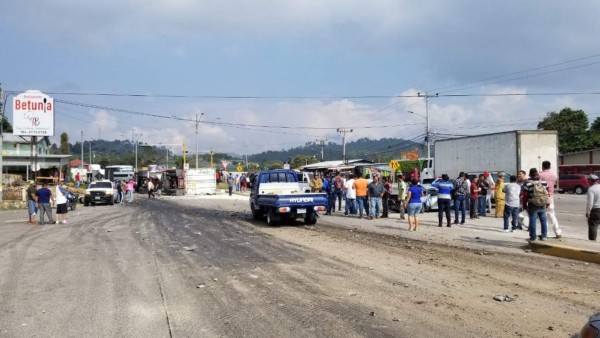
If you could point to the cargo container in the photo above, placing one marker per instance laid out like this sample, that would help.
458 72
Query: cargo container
506 152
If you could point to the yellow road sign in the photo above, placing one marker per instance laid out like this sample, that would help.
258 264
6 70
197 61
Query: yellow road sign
394 165
239 168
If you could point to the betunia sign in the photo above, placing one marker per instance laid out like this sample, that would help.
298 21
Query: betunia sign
33 114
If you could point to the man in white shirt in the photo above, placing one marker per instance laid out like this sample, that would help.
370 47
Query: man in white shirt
512 192
550 178
592 210
350 205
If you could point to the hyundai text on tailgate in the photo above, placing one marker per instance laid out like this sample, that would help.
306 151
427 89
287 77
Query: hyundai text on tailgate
277 194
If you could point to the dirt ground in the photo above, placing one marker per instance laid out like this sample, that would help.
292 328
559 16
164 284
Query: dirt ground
425 289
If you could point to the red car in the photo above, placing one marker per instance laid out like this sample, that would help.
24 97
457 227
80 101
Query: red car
577 183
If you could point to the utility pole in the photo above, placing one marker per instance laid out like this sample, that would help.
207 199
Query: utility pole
343 131
211 158
81 164
321 142
427 133
136 138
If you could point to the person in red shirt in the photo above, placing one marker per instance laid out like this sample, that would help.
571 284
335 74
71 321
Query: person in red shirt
474 198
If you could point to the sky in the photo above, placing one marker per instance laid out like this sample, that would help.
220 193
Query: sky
271 75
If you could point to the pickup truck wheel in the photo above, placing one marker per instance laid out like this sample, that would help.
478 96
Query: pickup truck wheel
256 214
85 204
271 217
310 219
112 202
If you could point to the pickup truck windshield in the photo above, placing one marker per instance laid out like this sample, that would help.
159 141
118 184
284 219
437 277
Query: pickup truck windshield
100 185
278 177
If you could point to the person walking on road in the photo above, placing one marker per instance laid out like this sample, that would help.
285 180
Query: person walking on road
31 202
445 187
44 203
550 178
150 188
413 200
499 196
360 185
401 194
535 200
592 210
129 191
512 193
61 202
376 191
230 183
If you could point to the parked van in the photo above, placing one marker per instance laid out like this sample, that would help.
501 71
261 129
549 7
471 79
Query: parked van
577 183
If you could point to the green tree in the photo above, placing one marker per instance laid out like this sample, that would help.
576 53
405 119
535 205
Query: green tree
595 127
572 128
64 144
302 160
6 126
275 165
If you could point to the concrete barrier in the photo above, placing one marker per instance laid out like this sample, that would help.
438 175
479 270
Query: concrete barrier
558 250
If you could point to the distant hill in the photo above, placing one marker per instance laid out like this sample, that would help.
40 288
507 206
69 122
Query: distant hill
381 150
105 152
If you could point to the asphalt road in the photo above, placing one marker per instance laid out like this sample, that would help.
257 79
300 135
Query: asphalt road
162 268
157 270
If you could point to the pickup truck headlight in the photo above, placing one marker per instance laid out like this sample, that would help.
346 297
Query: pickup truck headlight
87 193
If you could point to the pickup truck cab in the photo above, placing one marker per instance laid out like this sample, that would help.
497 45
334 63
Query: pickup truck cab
277 194
99 192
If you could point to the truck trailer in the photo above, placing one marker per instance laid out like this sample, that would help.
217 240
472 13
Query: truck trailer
506 152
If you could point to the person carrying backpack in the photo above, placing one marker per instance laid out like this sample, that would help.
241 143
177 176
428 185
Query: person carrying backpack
535 200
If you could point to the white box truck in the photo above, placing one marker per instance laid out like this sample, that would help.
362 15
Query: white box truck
508 152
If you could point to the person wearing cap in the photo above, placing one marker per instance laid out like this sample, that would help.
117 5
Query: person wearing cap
592 210
31 202
61 202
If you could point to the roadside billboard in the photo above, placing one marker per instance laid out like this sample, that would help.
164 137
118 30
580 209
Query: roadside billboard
33 114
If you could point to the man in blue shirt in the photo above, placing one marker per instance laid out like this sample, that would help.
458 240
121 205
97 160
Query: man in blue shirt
44 203
444 186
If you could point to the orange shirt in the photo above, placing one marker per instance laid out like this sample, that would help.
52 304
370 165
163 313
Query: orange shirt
361 187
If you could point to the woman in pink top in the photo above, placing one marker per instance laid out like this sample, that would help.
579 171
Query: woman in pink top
129 191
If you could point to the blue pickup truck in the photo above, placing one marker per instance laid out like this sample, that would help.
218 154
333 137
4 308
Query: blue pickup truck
277 194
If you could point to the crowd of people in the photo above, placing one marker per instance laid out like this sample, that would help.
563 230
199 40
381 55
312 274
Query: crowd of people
43 199
526 196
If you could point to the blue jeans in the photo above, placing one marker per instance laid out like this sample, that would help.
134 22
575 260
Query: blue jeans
330 203
534 213
350 207
376 206
508 213
362 204
459 204
481 205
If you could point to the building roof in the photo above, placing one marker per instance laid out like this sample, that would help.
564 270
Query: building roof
335 164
